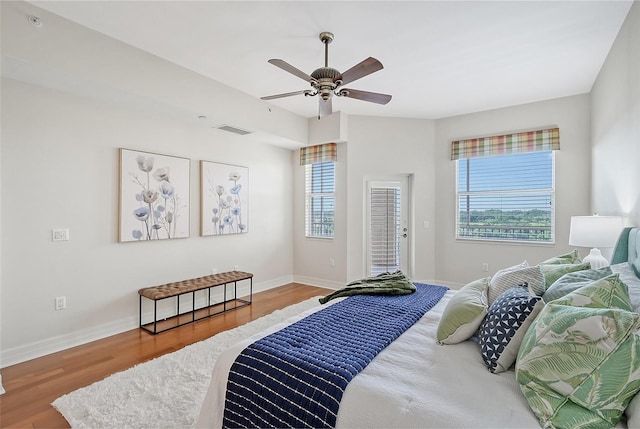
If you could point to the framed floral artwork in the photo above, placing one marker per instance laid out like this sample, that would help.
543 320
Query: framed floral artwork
154 196
224 199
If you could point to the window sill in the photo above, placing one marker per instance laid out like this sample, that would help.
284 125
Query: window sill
318 238
506 242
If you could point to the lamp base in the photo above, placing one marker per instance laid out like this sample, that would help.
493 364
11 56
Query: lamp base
596 259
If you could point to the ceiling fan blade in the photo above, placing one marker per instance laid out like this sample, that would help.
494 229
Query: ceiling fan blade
288 94
364 68
373 97
291 69
325 108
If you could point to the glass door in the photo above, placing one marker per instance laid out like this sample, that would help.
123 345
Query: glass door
387 226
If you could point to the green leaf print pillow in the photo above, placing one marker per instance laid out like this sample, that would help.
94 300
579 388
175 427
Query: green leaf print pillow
579 367
574 280
567 258
553 272
608 292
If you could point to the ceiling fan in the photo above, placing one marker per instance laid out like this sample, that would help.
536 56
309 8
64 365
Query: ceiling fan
327 81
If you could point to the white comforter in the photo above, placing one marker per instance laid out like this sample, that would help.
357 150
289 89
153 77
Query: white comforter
413 383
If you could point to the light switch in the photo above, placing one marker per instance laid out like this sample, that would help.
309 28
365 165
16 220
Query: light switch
60 234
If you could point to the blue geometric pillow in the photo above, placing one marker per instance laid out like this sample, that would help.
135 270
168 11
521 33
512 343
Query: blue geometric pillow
504 327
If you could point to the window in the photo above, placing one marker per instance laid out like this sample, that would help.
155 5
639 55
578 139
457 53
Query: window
319 199
506 197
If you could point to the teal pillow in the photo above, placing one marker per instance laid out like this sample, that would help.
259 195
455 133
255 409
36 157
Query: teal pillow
572 281
608 292
567 258
464 313
553 272
579 367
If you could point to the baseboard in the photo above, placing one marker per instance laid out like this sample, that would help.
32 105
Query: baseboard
280 281
62 342
312 281
83 336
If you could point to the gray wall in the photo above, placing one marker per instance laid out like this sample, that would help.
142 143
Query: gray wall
461 261
615 126
60 170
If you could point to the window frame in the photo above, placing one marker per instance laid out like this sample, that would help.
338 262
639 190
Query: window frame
310 195
533 191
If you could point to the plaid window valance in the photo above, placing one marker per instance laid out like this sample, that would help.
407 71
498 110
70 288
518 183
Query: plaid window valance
319 153
529 141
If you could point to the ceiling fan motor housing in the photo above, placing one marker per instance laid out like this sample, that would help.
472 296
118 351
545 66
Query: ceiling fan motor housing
325 83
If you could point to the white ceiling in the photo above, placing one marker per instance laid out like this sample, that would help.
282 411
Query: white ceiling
441 58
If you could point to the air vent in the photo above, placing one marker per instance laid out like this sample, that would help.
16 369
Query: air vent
232 129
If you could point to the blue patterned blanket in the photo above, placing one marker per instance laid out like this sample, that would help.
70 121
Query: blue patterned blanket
296 377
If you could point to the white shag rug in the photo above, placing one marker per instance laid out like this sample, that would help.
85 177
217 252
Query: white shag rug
166 392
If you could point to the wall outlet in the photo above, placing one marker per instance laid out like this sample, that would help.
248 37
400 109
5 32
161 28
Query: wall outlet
214 270
485 266
332 262
236 267
60 234
61 303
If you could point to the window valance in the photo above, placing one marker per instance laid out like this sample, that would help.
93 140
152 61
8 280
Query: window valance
528 141
319 153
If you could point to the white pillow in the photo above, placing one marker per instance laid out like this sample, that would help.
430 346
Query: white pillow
505 279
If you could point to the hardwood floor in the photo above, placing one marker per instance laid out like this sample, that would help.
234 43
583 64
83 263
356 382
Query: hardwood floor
32 386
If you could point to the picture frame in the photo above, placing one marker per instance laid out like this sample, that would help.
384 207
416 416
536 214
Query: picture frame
154 195
224 199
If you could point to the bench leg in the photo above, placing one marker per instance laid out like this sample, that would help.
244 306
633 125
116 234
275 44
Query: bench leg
155 317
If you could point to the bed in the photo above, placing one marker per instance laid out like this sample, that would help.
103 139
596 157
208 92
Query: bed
417 382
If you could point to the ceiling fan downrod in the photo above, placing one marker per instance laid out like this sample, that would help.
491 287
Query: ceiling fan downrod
326 38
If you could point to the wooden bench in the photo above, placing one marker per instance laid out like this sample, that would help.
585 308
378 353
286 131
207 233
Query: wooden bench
191 286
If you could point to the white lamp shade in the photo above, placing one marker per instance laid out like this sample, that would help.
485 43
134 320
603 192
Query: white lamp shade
594 231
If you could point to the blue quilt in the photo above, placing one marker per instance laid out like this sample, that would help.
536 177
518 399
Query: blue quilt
296 377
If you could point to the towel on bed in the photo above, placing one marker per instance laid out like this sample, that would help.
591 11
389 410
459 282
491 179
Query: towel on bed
382 284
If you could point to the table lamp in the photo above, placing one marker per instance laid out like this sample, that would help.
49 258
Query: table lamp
595 232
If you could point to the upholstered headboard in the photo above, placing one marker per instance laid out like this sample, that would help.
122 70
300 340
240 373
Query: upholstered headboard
628 249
